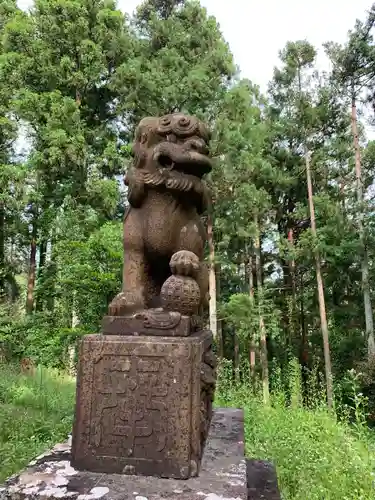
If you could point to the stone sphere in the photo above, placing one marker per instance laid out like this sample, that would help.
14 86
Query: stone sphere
181 294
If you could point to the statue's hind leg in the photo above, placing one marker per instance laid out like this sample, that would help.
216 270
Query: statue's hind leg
133 296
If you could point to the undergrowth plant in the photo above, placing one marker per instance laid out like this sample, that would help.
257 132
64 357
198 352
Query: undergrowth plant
319 454
35 413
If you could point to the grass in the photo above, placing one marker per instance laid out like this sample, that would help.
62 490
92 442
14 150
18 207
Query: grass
317 457
35 413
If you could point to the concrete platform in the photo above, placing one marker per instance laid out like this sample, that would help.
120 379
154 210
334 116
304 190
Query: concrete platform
223 475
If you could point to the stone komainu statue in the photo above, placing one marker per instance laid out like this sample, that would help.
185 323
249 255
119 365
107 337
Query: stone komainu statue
164 236
154 353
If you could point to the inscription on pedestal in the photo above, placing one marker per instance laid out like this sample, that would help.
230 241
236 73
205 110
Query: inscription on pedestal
129 412
138 407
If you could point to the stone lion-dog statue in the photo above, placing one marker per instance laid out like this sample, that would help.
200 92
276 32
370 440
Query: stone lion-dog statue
164 236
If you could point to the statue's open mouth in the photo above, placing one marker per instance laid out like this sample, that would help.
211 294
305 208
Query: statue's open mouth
193 167
177 159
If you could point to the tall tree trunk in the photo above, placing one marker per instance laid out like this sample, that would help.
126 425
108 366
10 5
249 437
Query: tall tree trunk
220 339
2 252
72 347
236 357
262 326
252 357
42 261
42 254
52 270
212 277
322 306
362 236
32 269
293 322
304 348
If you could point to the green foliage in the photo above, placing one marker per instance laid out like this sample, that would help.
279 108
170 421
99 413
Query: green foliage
89 274
181 63
40 338
309 447
75 78
312 450
242 313
35 414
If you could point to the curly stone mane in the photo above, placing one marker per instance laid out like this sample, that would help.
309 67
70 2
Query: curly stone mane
169 153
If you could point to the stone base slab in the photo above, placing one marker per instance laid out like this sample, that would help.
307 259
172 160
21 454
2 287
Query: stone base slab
261 480
222 477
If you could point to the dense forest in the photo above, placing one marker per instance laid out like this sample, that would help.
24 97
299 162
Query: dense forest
292 231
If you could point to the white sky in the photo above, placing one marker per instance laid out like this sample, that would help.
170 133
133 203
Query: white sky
257 29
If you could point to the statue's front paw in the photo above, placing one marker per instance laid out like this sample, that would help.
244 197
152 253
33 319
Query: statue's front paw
126 303
185 263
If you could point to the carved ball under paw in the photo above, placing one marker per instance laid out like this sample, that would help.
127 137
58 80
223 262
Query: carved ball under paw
181 294
185 263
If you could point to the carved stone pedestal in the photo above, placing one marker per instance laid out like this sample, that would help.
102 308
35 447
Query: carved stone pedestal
143 404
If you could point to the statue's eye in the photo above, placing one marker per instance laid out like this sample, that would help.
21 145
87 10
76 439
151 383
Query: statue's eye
184 121
165 121
144 138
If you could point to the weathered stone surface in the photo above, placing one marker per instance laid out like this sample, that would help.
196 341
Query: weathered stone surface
261 480
222 476
164 236
156 322
143 404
